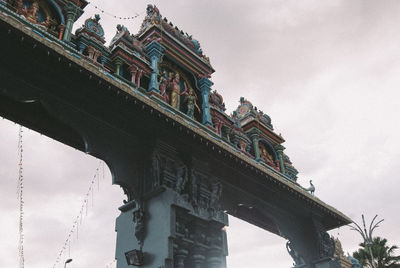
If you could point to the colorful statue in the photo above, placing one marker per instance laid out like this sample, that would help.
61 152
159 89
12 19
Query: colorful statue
265 155
121 32
191 99
32 13
163 86
175 91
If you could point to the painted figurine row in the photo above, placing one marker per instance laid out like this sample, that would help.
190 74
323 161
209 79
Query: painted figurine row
171 93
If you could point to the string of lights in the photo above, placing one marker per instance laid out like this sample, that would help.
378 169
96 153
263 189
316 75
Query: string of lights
111 264
102 11
74 231
20 190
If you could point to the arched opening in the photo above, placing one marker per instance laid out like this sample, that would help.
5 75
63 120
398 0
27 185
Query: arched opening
268 154
251 246
57 179
46 14
181 90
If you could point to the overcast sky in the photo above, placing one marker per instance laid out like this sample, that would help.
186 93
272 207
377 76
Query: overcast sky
328 74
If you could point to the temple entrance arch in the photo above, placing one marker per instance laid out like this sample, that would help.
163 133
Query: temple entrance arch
181 177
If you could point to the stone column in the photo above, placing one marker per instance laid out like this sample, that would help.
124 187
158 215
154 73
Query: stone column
61 28
255 136
139 76
73 12
205 86
82 47
155 50
118 63
133 69
180 258
214 258
279 150
197 259
103 60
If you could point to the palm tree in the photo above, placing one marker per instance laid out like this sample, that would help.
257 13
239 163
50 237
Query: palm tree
383 254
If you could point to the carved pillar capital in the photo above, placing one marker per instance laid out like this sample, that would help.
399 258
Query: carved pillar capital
155 51
279 150
181 256
214 257
197 257
73 12
133 70
205 86
118 63
254 134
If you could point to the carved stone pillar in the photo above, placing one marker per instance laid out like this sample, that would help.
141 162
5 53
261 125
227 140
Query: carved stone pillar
279 150
214 258
155 50
72 13
309 244
93 53
82 47
180 258
205 86
118 63
255 136
138 77
103 60
197 258
133 69
61 34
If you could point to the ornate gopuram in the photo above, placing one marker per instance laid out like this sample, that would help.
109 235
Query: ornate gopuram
145 105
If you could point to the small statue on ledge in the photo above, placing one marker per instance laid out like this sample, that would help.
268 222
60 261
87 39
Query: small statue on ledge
311 189
191 99
163 86
175 91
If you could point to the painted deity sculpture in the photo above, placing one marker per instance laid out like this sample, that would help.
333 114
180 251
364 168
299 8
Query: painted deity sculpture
190 100
121 32
163 86
175 91
32 12
267 157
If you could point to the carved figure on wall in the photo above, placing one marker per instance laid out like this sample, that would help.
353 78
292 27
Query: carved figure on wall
175 91
32 12
326 245
138 219
181 179
266 155
194 188
235 118
153 16
297 258
215 195
156 170
163 86
121 31
190 100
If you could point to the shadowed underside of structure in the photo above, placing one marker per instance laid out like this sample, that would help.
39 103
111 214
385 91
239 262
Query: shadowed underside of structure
180 178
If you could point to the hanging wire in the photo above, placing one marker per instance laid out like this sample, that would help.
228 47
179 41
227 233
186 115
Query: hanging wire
102 11
78 220
20 190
